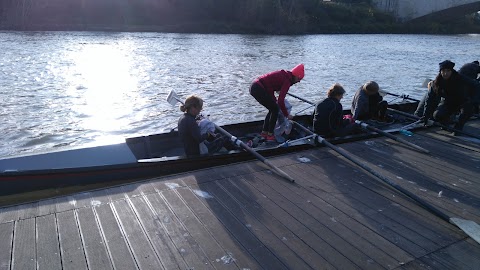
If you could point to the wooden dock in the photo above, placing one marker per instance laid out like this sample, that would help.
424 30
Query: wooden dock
335 216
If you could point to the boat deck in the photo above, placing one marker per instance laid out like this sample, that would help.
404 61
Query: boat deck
241 216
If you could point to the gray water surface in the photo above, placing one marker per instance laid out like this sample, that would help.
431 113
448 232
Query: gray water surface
71 89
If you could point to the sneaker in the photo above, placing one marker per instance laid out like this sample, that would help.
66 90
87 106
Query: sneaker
264 135
456 133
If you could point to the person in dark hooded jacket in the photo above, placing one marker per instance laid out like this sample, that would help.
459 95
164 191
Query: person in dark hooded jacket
328 115
471 71
368 103
450 86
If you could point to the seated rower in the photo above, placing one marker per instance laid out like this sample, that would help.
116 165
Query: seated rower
368 103
448 94
328 115
470 72
469 75
189 131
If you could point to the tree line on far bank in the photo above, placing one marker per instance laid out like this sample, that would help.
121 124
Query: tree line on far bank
213 16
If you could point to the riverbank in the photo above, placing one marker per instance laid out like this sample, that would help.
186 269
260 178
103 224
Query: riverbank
247 17
432 28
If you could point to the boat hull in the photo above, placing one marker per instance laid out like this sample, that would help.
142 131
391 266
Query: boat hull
146 157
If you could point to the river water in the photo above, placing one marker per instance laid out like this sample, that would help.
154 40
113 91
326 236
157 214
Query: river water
72 89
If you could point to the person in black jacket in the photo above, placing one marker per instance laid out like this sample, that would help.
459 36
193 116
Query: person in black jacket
453 88
328 115
469 75
189 131
471 71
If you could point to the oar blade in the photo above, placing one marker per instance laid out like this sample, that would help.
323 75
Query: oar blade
471 228
425 83
172 98
382 93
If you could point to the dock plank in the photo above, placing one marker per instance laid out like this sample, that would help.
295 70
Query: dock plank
185 244
364 183
95 250
71 246
6 234
119 251
138 242
449 205
438 135
427 172
138 189
206 242
256 248
352 231
161 242
23 255
365 215
413 227
309 221
297 245
229 241
65 203
290 258
8 214
25 211
48 247
327 252
46 207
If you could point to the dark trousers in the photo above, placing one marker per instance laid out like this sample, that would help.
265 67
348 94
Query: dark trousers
262 96
443 113
378 110
346 129
421 106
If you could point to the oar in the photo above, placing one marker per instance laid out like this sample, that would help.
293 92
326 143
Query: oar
400 96
411 116
300 98
253 152
173 98
398 139
469 227
366 126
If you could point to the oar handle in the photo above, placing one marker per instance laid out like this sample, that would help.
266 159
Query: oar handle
391 136
240 143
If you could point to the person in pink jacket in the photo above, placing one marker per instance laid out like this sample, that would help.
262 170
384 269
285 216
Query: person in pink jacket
263 90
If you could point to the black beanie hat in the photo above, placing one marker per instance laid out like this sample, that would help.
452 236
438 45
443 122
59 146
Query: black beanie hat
446 64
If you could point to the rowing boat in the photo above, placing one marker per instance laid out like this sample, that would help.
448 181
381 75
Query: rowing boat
152 156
